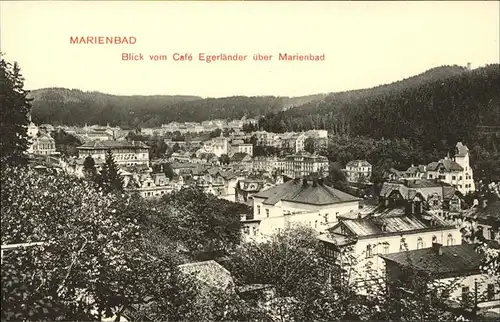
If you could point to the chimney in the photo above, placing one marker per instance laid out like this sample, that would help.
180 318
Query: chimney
469 66
438 248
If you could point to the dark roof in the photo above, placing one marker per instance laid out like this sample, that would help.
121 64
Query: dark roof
238 157
448 164
358 163
296 191
454 259
489 215
372 226
91 145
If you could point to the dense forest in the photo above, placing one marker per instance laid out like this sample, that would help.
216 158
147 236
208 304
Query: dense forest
445 103
75 107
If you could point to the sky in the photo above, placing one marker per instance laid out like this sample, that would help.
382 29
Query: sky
365 44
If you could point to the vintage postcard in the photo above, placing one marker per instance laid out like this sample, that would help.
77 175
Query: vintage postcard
250 160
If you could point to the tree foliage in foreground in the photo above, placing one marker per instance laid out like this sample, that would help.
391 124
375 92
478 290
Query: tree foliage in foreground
93 263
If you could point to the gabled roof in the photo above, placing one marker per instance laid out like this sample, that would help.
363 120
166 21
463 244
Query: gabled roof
448 164
358 163
238 157
296 191
416 169
454 259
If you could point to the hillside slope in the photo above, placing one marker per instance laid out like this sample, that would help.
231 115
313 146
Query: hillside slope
443 104
75 107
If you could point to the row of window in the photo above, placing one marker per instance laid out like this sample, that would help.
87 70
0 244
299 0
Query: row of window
467 296
372 249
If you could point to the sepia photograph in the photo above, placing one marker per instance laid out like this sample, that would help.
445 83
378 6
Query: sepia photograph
276 161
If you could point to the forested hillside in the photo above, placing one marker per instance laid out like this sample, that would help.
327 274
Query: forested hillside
74 107
443 104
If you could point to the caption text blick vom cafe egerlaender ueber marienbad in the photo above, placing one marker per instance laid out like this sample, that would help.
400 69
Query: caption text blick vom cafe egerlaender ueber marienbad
205 57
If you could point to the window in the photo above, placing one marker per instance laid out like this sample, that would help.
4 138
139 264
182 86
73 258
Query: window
492 234
258 210
386 248
402 245
369 251
267 212
490 292
430 176
420 243
465 294
453 178
449 240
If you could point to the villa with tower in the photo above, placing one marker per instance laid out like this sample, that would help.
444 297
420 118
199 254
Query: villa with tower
455 171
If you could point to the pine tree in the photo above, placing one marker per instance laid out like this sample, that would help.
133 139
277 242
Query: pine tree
110 179
14 114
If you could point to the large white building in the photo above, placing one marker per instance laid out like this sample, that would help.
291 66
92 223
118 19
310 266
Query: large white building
304 163
455 171
217 146
358 171
125 153
300 201
383 234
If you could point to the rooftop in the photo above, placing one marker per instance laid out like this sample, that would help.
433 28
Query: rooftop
453 259
445 164
209 272
358 163
91 145
380 225
314 192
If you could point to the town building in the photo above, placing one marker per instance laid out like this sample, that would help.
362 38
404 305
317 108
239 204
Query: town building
358 171
455 268
217 146
238 146
304 163
304 201
356 243
146 184
125 153
433 196
455 171
43 144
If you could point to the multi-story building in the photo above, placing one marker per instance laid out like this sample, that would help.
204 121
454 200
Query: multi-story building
217 146
43 144
455 171
304 163
456 268
358 171
125 153
301 201
300 142
357 242
239 146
